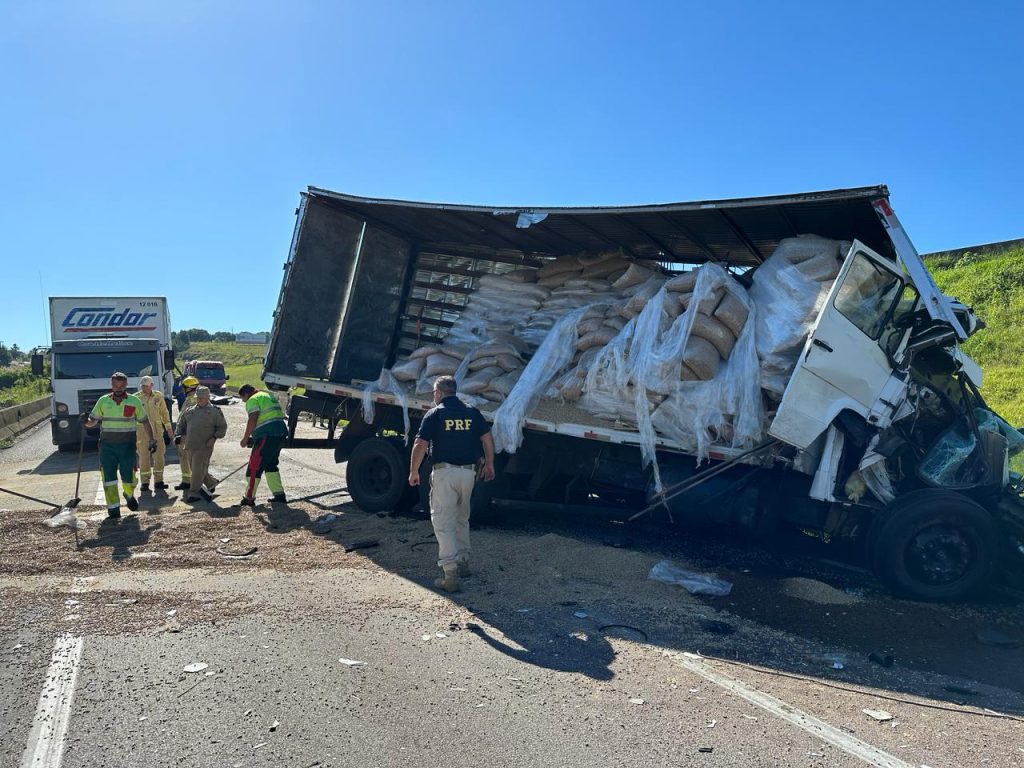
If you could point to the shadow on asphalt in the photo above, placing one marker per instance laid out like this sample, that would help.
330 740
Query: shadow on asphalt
120 535
920 637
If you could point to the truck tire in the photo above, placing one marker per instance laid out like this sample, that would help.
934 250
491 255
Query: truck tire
934 545
377 474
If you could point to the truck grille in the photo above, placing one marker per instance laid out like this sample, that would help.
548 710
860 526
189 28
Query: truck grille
87 398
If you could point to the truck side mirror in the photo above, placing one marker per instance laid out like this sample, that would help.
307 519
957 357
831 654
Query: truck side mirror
168 359
37 365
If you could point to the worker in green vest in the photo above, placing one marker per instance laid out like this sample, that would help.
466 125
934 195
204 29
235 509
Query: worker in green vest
119 414
267 429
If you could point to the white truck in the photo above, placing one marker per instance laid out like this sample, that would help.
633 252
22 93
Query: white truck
878 438
91 338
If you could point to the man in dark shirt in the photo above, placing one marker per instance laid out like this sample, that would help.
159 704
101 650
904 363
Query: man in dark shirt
457 437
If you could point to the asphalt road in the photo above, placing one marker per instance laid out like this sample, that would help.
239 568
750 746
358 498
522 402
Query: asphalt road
318 656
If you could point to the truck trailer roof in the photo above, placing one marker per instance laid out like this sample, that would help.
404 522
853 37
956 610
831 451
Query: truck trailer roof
734 232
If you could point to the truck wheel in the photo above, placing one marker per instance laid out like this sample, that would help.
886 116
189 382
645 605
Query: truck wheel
377 475
934 545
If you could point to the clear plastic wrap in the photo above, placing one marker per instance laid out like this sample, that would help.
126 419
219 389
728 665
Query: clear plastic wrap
551 358
385 383
644 363
788 298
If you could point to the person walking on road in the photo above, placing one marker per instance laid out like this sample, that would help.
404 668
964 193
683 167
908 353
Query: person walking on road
119 415
457 437
199 428
152 464
188 389
268 430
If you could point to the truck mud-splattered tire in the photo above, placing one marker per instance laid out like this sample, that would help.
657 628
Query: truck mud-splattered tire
377 475
934 545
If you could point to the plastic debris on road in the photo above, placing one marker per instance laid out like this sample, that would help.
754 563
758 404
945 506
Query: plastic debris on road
65 518
694 583
878 714
352 662
198 666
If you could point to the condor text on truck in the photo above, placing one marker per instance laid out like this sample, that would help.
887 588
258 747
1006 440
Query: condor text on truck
759 363
92 337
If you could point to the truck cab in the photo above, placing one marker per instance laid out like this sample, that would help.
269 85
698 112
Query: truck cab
209 372
92 338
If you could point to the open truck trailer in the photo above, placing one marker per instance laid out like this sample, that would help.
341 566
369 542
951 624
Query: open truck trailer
878 434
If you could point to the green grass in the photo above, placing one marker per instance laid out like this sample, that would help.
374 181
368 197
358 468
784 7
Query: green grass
245 374
24 392
993 284
18 385
228 352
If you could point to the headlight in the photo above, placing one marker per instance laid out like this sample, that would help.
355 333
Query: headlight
63 423
62 408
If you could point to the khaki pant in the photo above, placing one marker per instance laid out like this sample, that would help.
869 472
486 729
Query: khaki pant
183 462
199 465
146 466
450 491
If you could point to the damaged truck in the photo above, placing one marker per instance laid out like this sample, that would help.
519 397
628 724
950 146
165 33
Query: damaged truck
758 363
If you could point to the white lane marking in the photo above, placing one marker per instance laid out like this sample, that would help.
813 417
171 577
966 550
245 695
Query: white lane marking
45 747
101 500
850 744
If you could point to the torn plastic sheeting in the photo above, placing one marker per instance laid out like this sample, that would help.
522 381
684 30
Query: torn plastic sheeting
875 474
695 413
693 582
787 299
525 220
385 383
553 355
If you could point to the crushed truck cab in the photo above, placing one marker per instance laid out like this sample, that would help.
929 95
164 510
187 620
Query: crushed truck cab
758 363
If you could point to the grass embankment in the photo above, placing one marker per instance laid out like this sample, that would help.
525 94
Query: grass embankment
242 362
993 284
18 385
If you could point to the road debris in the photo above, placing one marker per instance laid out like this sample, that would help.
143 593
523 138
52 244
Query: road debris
637 701
352 662
693 582
251 552
362 544
323 525
997 638
274 726
880 657
878 714
581 614
706 750
197 666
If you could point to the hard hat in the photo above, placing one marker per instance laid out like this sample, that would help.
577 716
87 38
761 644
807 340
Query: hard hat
190 381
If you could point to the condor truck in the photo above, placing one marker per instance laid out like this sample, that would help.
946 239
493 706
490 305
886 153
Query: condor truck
91 338
368 280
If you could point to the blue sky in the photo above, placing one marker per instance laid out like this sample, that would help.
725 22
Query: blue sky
159 148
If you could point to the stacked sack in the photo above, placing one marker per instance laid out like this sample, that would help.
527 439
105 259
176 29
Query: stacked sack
719 320
501 304
788 289
490 371
575 281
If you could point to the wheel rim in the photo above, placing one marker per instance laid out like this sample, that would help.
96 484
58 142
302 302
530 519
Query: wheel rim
939 555
379 478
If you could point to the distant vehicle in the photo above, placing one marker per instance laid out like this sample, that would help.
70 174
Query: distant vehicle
92 338
209 372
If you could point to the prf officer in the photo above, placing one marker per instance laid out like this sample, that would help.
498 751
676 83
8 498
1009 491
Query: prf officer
457 437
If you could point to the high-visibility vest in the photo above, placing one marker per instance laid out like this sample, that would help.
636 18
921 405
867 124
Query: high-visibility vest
269 411
119 419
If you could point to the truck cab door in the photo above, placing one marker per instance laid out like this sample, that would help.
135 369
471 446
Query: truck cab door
843 365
